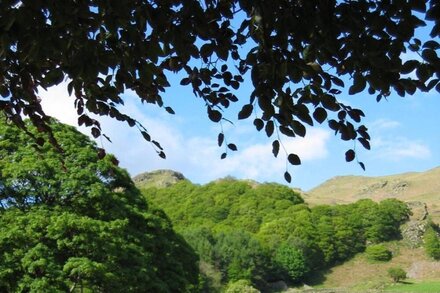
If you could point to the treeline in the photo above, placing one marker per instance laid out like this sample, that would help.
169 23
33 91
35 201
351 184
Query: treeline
265 232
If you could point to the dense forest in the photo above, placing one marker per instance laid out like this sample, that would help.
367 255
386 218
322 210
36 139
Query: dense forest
263 233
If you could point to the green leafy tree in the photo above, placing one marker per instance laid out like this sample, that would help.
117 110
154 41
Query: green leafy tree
432 243
201 240
297 54
397 274
240 256
74 221
291 260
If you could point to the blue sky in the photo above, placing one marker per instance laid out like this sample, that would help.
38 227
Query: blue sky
405 137
404 131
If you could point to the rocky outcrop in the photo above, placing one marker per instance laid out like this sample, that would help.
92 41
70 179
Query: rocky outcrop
158 178
414 229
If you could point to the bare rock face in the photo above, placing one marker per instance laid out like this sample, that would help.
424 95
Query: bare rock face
366 189
419 210
159 179
399 187
414 229
424 270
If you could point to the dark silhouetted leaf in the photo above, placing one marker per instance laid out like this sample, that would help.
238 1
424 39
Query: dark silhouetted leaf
294 159
287 177
214 115
365 143
220 139
95 132
185 81
157 145
350 155
269 128
287 131
275 147
170 110
146 136
246 111
320 114
298 128
232 147
429 55
358 86
259 124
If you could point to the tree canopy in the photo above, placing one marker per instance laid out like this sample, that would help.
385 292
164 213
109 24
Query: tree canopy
299 56
80 223
265 232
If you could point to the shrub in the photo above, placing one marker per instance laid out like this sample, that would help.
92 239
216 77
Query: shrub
432 243
378 252
241 286
397 274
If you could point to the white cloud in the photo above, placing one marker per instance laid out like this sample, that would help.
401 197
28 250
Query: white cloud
57 103
197 157
255 161
399 148
384 123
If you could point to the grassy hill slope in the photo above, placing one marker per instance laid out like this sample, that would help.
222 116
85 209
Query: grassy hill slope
414 186
359 274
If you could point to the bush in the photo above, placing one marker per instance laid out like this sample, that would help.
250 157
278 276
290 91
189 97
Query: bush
397 274
378 252
241 286
432 243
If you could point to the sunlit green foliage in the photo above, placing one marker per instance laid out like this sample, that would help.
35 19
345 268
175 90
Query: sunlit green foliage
432 241
240 286
292 261
378 252
397 274
72 221
264 232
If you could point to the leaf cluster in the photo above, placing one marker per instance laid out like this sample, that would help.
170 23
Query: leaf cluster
300 56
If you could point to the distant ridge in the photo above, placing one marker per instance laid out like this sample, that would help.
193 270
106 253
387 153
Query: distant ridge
158 178
411 186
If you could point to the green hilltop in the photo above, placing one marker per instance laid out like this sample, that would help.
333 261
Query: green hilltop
264 234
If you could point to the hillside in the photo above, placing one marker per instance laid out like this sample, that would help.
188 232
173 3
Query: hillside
158 178
239 227
413 186
360 275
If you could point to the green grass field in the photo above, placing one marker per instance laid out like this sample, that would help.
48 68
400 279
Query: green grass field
409 286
